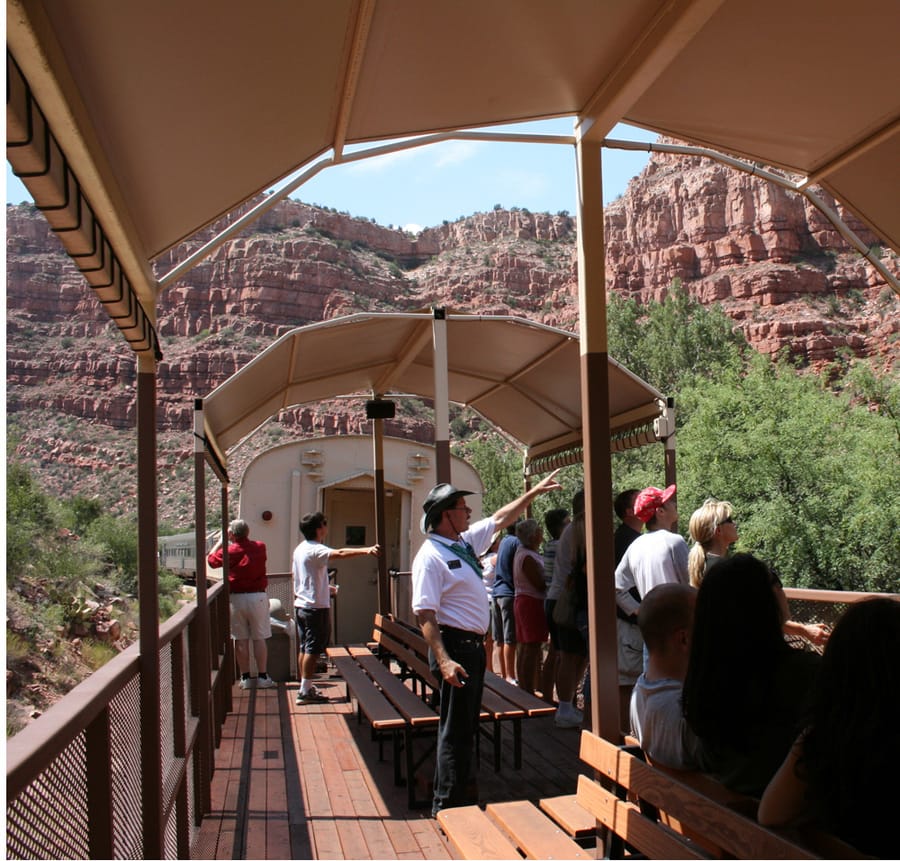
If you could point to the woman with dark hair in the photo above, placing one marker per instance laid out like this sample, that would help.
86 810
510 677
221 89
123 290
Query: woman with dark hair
838 774
746 689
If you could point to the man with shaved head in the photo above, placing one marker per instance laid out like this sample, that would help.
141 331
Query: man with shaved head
665 617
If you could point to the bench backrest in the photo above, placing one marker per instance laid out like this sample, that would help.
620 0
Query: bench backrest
407 646
720 826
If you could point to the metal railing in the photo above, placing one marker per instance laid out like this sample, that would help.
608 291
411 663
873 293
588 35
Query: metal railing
73 777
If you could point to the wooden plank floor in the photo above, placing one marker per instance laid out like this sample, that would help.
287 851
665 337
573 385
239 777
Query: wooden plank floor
306 782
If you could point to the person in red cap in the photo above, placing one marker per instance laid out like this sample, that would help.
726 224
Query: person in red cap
659 555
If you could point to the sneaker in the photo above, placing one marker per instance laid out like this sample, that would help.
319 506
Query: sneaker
246 683
311 696
265 682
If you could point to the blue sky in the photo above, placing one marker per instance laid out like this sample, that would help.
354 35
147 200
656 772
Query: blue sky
425 186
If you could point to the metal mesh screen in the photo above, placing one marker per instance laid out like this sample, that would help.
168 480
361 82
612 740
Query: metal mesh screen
125 741
167 719
49 819
281 586
814 612
170 839
191 789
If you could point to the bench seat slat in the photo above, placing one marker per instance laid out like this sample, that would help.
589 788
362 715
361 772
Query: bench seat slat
473 835
381 714
530 704
499 708
401 697
571 816
536 835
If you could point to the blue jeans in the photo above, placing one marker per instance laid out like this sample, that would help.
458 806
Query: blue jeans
460 710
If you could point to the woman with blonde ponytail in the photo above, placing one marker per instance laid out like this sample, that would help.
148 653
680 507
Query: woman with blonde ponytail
713 530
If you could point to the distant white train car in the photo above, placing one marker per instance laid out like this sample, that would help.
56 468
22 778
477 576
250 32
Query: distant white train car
178 552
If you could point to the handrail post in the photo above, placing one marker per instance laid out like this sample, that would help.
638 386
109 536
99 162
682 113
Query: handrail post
180 750
148 595
98 753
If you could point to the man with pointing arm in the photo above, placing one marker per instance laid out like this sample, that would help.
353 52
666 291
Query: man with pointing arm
451 608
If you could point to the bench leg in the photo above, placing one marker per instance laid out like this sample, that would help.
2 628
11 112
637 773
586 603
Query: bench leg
517 743
397 741
410 770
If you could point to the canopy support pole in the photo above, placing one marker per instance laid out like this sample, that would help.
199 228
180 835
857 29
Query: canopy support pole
201 661
603 647
384 589
441 398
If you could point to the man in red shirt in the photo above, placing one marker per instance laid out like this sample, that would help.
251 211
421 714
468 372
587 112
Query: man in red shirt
249 601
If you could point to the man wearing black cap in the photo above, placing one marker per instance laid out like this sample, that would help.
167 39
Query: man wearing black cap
451 607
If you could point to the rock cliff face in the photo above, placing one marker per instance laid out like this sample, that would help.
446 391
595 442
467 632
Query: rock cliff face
774 263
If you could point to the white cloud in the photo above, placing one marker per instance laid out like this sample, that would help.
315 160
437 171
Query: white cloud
413 228
455 152
381 163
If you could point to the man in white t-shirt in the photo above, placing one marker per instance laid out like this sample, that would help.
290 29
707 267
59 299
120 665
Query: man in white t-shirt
451 607
659 555
312 597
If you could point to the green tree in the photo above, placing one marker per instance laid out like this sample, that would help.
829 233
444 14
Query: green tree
80 512
29 518
668 343
116 538
499 465
813 478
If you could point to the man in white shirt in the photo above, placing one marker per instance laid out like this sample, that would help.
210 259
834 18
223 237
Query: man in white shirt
312 597
659 555
451 607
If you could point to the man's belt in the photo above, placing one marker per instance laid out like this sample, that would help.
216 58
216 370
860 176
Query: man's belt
460 636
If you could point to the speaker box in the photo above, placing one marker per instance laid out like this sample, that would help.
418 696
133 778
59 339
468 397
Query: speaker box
380 409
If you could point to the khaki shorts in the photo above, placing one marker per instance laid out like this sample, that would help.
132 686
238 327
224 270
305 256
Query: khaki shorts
250 616
631 652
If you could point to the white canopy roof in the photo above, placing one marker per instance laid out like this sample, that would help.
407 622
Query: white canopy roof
522 376
174 112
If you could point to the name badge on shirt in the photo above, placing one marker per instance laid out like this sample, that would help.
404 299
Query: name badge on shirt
454 564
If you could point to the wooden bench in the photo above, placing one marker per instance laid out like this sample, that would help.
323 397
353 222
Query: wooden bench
640 810
501 702
662 817
820 843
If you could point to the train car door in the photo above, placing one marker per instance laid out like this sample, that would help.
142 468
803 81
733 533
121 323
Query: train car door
351 523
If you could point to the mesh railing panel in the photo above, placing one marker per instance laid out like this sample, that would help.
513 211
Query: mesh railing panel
814 612
170 839
191 789
166 718
282 587
125 742
49 819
